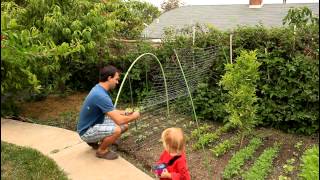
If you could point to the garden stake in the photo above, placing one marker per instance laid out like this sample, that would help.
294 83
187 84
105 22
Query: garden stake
135 121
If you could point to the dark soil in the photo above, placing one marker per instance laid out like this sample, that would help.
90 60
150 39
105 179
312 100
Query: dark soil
146 148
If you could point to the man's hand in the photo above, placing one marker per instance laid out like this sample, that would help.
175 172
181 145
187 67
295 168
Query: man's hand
135 115
119 116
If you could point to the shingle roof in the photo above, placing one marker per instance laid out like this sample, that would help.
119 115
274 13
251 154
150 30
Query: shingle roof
223 17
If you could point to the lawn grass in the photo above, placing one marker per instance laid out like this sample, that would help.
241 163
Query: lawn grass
25 163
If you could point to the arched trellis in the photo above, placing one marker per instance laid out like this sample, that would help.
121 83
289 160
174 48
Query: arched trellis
166 89
187 85
163 74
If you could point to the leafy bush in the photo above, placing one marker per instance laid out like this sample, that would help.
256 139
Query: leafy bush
214 97
50 46
288 89
289 94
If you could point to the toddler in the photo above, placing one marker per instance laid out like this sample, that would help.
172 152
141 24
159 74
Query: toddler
172 163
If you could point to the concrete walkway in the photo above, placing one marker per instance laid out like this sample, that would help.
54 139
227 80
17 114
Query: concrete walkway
73 155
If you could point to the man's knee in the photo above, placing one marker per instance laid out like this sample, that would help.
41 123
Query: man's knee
124 128
117 130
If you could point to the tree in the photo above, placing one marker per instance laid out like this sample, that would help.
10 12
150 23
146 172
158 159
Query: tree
300 17
240 80
47 45
167 5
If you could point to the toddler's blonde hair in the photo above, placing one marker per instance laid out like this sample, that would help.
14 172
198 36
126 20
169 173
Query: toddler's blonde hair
173 140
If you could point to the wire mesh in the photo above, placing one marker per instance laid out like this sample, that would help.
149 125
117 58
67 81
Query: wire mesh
196 65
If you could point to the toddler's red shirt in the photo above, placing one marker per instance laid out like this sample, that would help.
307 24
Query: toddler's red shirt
179 169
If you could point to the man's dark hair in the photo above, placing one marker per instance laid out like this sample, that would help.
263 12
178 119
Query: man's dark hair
107 71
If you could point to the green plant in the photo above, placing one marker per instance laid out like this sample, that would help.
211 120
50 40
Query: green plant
205 140
200 131
262 166
224 146
48 45
213 98
281 177
310 164
208 138
288 88
298 145
240 81
299 17
233 167
288 167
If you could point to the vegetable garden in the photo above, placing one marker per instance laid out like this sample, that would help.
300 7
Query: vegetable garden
256 117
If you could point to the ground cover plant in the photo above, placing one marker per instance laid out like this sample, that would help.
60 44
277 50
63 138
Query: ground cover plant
234 165
225 146
310 164
26 163
263 164
206 138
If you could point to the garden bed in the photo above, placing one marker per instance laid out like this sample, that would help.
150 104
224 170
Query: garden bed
62 112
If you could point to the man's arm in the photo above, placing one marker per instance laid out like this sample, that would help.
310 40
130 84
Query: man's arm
122 112
120 118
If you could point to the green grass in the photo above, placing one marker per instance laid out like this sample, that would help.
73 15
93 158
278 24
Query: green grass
25 163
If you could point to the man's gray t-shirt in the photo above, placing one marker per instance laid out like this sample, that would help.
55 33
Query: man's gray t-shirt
93 110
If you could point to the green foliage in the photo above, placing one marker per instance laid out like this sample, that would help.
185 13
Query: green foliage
26 163
298 145
310 164
290 94
299 17
206 139
196 133
233 167
52 45
281 177
262 166
224 146
288 167
288 88
59 45
240 82
213 97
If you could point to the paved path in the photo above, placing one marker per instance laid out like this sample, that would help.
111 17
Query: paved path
73 155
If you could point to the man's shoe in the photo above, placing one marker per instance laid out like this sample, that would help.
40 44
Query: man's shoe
110 155
94 145
117 142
